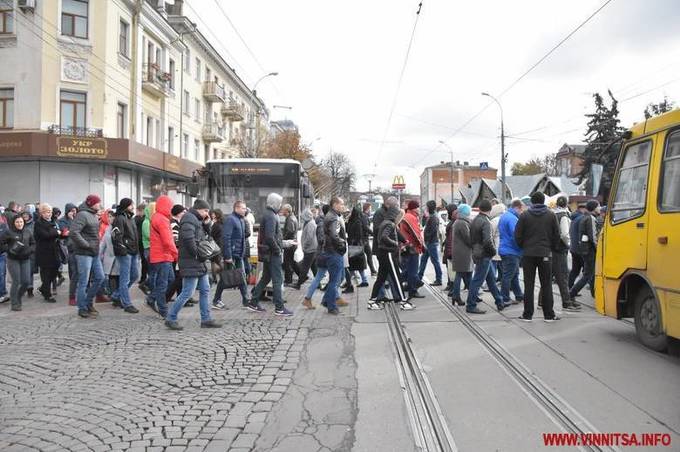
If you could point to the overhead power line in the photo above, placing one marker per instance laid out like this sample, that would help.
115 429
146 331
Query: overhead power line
401 78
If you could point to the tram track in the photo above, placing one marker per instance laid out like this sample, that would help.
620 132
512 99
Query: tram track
428 424
555 407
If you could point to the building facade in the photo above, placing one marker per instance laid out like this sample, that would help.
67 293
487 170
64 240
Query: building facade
570 161
444 182
125 98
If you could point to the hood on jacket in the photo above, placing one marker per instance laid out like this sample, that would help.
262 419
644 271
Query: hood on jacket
69 207
464 211
274 201
87 208
538 209
392 213
164 205
497 211
150 209
306 215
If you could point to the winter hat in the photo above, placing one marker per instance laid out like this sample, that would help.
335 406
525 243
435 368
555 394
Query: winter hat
592 205
124 204
412 205
526 200
464 210
177 209
91 200
200 204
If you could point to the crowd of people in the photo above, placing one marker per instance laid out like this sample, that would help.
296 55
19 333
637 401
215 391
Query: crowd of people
171 252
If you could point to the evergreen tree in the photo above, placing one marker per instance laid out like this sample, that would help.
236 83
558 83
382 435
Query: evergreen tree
603 143
664 106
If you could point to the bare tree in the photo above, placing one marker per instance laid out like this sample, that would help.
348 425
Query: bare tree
341 173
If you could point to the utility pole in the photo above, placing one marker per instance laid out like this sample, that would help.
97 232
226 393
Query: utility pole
370 178
503 198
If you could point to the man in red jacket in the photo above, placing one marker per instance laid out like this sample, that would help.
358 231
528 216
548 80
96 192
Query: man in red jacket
162 254
410 230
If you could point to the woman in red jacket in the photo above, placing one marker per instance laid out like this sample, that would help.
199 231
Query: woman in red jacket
162 252
410 230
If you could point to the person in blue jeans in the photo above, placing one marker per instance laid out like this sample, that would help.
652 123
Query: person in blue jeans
432 245
270 252
84 236
125 246
483 250
334 248
193 228
510 253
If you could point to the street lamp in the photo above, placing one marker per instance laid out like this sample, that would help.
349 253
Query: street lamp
257 122
503 200
442 142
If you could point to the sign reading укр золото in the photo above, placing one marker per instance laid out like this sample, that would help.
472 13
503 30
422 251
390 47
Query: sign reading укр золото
81 148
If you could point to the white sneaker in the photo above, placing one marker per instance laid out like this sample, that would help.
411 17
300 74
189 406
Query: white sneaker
373 306
4 299
218 305
406 306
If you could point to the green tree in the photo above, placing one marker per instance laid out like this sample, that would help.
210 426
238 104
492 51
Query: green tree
664 106
536 165
603 143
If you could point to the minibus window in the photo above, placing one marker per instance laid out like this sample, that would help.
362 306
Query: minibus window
631 189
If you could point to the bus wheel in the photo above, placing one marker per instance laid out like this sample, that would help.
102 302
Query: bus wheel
648 322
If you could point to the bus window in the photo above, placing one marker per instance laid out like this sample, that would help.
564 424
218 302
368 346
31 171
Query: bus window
631 188
670 183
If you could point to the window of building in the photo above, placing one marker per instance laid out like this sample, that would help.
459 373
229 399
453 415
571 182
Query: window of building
185 145
187 101
6 108
121 120
124 39
149 131
74 18
208 75
197 110
198 70
159 135
171 140
171 71
631 189
670 182
72 108
197 149
6 17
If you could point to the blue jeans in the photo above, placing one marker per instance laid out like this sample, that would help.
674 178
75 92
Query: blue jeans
87 265
336 271
410 264
431 253
3 274
20 271
510 278
128 274
243 288
271 271
189 285
320 273
165 276
483 273
455 287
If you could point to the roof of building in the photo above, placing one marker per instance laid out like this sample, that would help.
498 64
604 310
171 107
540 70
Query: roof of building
577 149
523 185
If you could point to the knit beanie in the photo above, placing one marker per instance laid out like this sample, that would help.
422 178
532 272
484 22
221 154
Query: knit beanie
91 200
464 210
200 204
177 209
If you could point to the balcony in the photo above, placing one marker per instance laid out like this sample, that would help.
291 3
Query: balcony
232 111
213 132
155 81
75 131
212 92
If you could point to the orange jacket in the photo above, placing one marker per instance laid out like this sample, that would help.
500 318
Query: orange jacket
410 230
162 244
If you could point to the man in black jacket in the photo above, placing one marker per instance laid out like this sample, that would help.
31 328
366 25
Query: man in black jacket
334 247
586 247
366 222
537 233
193 229
126 247
269 252
483 250
84 236
431 238
290 229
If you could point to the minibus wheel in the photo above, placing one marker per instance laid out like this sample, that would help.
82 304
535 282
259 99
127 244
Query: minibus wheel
648 324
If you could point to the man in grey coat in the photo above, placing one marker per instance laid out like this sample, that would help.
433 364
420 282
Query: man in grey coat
309 244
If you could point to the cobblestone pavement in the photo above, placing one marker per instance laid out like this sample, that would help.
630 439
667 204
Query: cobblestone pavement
124 382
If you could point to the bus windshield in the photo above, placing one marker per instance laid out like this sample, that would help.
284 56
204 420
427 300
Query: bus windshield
252 182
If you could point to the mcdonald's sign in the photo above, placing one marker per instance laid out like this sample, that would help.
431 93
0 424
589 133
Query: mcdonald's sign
398 183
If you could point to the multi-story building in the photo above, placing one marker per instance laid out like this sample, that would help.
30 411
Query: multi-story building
446 180
125 98
570 160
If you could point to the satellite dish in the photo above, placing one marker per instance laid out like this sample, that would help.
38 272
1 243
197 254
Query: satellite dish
308 164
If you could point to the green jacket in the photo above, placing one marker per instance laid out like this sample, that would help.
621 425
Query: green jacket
146 225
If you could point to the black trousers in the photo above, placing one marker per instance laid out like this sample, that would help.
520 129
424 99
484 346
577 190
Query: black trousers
289 265
308 263
369 257
48 275
530 264
145 268
588 276
560 270
388 271
576 267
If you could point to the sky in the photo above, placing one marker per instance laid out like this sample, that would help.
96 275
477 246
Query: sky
339 63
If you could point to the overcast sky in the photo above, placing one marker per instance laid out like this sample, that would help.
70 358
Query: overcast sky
339 64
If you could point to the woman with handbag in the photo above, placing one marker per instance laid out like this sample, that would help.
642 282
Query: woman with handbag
355 240
47 234
20 245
